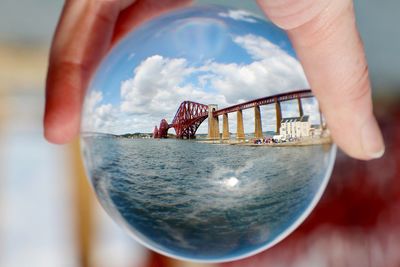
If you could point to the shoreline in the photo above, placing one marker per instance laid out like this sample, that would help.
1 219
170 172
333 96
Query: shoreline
249 142
306 142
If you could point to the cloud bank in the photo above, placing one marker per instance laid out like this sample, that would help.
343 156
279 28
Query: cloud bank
159 84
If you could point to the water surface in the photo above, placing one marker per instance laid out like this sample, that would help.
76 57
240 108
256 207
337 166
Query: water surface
204 201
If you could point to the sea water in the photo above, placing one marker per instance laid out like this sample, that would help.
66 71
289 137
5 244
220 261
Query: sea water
204 201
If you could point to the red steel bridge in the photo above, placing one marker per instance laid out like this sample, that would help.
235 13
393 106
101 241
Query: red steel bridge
190 115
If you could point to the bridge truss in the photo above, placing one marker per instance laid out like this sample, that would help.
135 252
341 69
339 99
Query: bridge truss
191 114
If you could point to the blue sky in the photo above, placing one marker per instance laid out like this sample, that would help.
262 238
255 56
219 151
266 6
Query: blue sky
207 55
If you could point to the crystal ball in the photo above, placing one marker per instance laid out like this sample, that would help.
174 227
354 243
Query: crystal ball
201 137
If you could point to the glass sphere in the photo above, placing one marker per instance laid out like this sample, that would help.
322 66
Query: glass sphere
200 135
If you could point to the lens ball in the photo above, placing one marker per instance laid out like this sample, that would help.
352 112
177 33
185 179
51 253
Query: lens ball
201 136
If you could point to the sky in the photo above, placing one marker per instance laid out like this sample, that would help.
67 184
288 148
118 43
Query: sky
32 23
28 22
210 56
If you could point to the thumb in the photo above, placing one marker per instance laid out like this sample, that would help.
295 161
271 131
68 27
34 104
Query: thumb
325 37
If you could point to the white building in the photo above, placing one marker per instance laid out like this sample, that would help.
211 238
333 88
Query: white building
296 127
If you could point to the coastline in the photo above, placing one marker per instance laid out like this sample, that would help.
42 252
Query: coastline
304 142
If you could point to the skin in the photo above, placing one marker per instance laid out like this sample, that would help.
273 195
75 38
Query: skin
323 33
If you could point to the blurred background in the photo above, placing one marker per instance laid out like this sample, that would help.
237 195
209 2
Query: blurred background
48 213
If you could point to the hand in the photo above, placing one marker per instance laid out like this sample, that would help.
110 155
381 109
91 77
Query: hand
86 31
325 37
323 32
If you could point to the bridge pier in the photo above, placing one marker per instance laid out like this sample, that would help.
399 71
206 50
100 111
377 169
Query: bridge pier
278 110
301 112
321 120
240 127
225 129
213 123
155 132
257 123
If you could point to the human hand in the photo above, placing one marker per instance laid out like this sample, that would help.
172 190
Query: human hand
323 33
325 37
87 29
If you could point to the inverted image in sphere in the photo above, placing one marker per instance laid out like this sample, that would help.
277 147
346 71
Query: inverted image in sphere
201 136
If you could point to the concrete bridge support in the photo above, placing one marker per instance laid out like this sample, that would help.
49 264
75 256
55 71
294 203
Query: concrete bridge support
257 123
240 127
278 110
321 120
301 112
213 123
225 128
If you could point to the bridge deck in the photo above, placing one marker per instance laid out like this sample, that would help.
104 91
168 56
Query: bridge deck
265 101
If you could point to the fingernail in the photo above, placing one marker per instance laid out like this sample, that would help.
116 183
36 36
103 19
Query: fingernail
372 140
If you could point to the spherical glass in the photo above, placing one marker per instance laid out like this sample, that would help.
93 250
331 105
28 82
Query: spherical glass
200 135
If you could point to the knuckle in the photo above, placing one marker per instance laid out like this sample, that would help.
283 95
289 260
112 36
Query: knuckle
358 89
290 14
349 95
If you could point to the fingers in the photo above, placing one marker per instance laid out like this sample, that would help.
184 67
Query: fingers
325 37
82 37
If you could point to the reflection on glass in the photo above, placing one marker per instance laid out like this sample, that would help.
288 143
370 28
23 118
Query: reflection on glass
201 137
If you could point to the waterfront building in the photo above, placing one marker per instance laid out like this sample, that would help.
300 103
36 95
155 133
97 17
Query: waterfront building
295 127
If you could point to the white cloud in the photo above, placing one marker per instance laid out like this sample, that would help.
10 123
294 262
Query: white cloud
273 71
260 48
160 84
152 80
98 117
240 15
94 98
